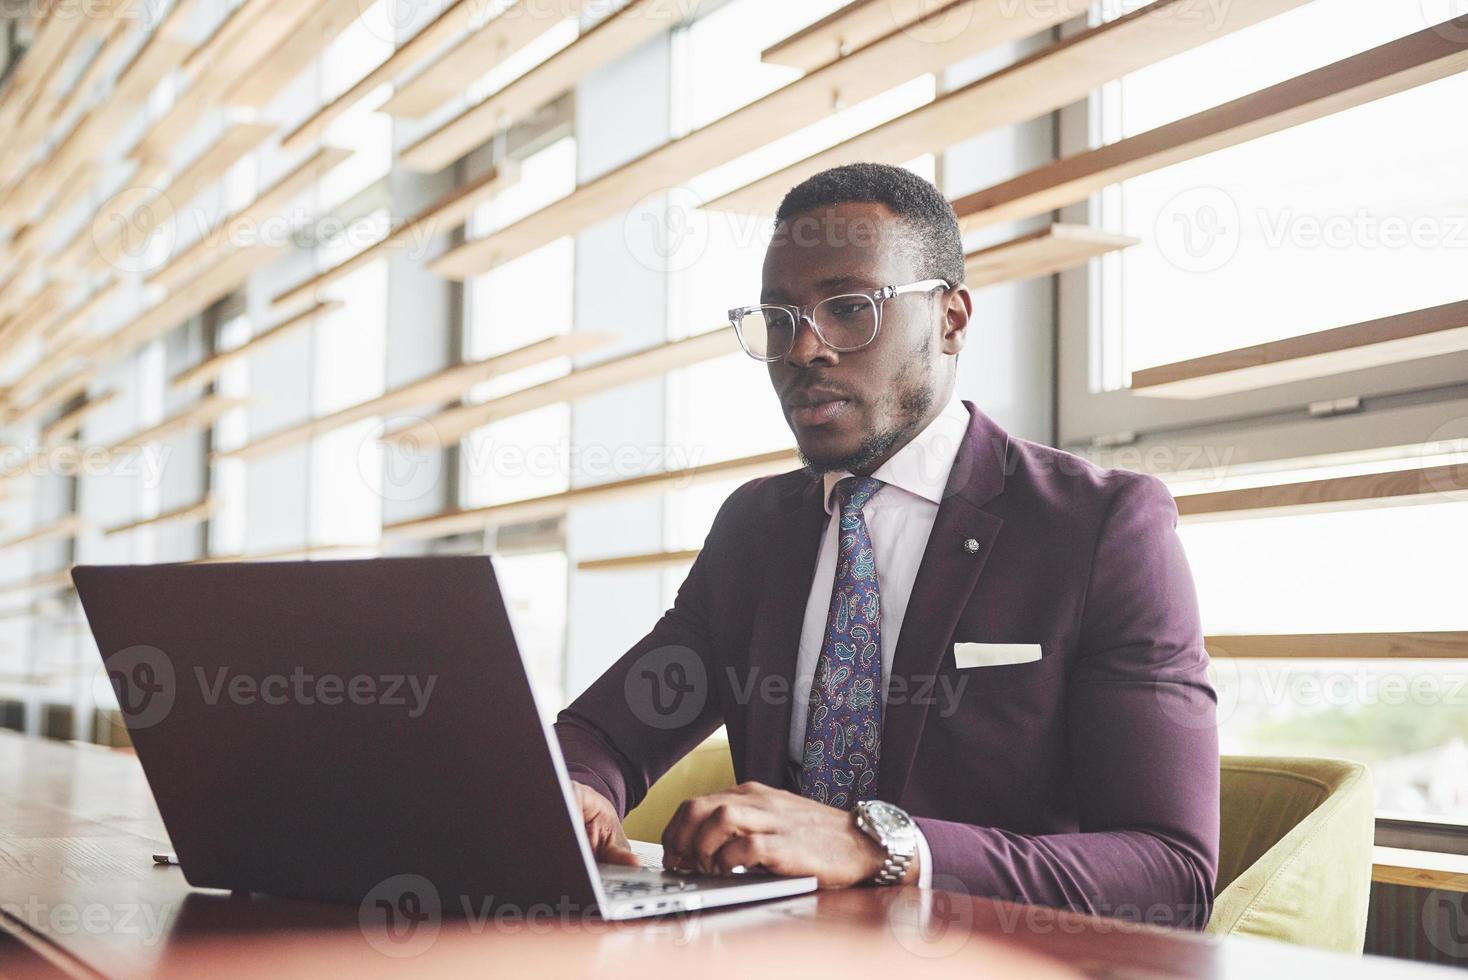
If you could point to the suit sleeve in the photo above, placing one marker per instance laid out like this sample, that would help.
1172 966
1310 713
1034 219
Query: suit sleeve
656 703
1143 745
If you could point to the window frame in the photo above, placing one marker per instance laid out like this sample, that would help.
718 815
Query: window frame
1401 403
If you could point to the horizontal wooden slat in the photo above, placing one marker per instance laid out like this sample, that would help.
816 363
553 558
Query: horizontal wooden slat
253 54
209 368
97 251
54 397
64 527
534 508
187 514
69 343
1419 869
165 48
216 281
108 58
1396 66
1040 253
448 427
513 29
214 264
29 102
44 582
1043 82
1389 340
67 425
16 299
443 215
601 44
457 17
436 388
39 313
245 224
869 71
1436 645
655 559
846 29
1421 485
304 552
324 20
201 414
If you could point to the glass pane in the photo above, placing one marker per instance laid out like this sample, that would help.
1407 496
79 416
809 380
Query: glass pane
1407 720
1379 569
1346 219
534 589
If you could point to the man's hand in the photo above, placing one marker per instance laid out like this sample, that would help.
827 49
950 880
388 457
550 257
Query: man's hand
603 828
756 826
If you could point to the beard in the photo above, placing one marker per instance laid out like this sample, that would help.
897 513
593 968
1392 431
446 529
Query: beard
908 405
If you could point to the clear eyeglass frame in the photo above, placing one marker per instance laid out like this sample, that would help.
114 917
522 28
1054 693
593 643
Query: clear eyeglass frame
807 314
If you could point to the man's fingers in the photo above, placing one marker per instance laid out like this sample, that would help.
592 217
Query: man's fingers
603 829
726 821
609 843
749 851
612 852
678 834
718 827
618 850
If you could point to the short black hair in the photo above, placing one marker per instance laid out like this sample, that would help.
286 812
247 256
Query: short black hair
931 224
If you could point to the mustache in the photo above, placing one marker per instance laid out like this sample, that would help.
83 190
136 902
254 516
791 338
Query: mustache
815 391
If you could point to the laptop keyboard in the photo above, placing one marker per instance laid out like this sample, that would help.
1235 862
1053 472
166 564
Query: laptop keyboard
650 856
636 888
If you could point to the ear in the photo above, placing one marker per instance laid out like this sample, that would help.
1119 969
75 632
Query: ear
957 313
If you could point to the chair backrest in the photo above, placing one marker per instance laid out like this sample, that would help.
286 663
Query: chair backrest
707 769
1294 851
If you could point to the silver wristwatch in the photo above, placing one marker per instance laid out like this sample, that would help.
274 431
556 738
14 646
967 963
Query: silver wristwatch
892 828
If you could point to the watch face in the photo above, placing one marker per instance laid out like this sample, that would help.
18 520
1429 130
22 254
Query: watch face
888 819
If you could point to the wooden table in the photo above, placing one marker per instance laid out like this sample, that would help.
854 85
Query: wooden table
81 896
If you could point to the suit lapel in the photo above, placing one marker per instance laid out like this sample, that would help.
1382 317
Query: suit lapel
945 580
775 638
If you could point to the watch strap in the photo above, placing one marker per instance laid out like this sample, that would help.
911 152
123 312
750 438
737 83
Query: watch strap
893 870
894 862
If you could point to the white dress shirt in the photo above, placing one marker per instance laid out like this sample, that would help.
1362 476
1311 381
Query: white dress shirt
899 518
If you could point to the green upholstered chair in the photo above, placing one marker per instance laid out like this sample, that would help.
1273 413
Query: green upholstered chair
1294 857
706 769
1295 851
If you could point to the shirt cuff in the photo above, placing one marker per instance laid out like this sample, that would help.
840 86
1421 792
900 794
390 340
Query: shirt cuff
925 859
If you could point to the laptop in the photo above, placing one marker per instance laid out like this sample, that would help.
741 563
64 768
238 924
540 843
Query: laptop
346 730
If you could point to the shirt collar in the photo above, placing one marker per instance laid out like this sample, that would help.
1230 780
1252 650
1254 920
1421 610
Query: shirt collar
921 467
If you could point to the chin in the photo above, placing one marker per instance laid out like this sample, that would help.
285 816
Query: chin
823 455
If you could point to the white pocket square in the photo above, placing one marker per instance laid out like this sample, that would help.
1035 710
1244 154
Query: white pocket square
994 654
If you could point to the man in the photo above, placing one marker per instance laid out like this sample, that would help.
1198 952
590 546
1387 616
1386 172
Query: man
943 655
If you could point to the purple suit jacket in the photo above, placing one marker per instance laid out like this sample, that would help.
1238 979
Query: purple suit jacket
1086 779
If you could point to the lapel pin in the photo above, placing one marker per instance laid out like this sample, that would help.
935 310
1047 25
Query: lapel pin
971 546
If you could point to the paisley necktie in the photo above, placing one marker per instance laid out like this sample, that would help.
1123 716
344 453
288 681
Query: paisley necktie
843 727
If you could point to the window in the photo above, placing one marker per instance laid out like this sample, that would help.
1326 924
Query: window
1342 220
534 588
1346 219
346 463
515 304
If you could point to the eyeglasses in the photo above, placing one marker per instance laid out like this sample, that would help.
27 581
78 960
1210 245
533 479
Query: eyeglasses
843 323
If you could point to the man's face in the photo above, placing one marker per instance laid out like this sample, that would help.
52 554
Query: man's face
850 410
